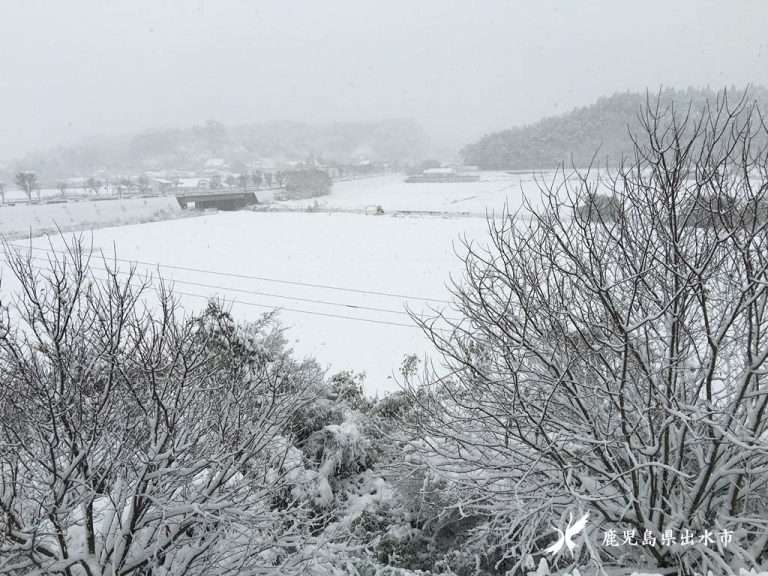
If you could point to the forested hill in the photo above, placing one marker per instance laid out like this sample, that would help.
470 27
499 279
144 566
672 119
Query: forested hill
189 148
578 134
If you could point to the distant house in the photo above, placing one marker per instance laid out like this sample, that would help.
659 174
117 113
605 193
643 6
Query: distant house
365 167
160 185
192 184
216 163
439 172
441 175
215 166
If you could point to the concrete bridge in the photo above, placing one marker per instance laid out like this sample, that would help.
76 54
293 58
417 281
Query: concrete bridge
219 199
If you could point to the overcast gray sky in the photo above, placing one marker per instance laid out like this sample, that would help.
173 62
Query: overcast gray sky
85 67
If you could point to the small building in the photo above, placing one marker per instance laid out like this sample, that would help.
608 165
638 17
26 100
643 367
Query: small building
438 172
215 167
191 184
160 185
216 164
442 175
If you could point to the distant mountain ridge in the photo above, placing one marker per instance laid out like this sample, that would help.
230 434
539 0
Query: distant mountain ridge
602 128
189 148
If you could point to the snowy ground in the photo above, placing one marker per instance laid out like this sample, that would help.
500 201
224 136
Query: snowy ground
392 194
14 195
408 255
20 220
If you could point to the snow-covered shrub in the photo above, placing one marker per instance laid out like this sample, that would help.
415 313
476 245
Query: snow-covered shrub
392 405
307 184
347 388
136 442
340 450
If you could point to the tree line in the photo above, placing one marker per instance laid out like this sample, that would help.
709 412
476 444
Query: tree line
602 130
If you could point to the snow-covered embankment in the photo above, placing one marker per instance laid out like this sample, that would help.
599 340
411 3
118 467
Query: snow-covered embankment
37 219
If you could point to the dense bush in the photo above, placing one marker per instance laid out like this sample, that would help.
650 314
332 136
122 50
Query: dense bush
143 443
307 184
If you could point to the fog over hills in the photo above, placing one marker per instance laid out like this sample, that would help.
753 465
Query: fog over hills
576 136
602 128
277 141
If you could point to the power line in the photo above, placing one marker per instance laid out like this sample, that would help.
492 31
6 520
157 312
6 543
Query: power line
255 304
256 293
327 315
248 277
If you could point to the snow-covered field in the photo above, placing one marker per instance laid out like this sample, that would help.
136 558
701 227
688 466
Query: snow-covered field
341 277
410 257
392 194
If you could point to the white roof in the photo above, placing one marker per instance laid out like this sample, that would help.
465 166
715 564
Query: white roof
438 171
189 182
214 162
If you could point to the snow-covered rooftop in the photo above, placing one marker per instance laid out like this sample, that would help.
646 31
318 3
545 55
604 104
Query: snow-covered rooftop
189 182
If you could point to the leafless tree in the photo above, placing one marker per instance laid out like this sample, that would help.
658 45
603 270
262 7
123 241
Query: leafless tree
243 181
125 183
93 184
136 440
2 191
613 361
256 178
142 183
62 186
27 182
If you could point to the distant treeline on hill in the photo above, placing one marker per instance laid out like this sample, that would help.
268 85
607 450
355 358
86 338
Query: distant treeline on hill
189 148
603 128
